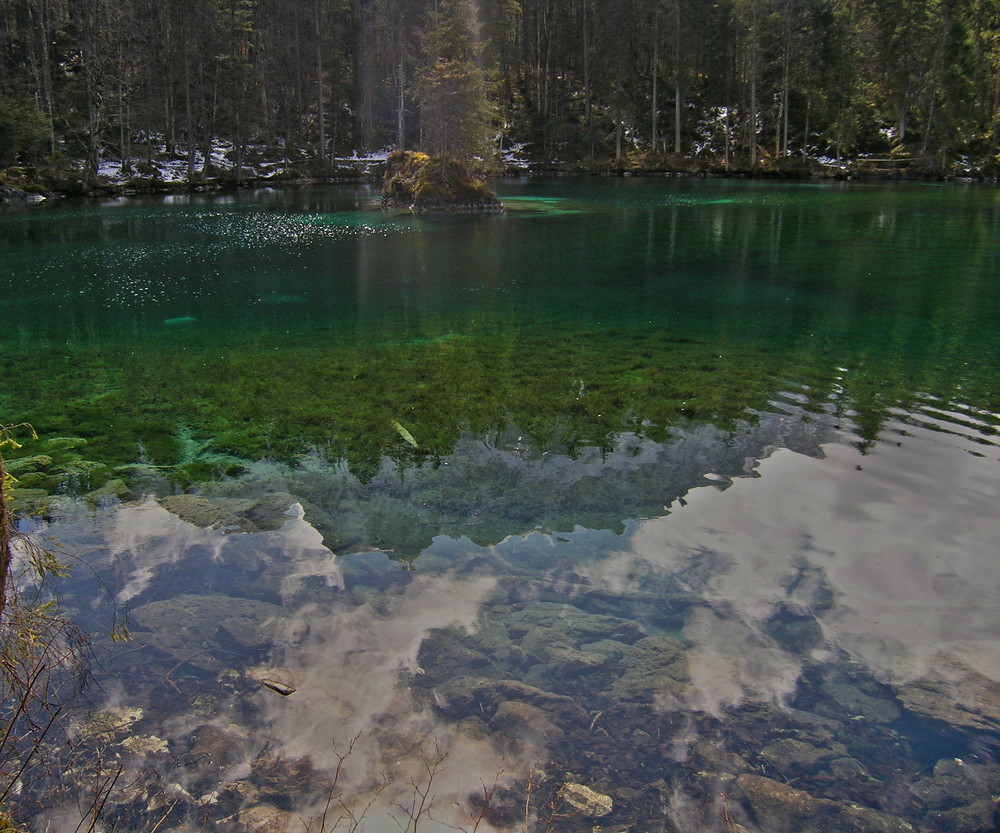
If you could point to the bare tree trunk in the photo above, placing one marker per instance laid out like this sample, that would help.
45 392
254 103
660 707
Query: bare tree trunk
654 110
752 126
401 104
320 97
677 77
805 135
586 66
188 117
45 70
728 140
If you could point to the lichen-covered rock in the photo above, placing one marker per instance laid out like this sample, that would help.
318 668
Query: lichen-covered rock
36 462
54 444
425 183
114 491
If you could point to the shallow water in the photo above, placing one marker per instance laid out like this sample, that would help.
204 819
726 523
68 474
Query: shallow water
693 502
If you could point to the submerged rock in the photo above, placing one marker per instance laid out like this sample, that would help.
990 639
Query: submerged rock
586 801
516 723
956 694
266 818
194 628
465 696
655 666
283 781
202 512
960 797
569 638
794 757
216 748
276 679
778 806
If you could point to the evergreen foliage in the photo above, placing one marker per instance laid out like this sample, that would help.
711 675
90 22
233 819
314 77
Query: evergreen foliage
736 83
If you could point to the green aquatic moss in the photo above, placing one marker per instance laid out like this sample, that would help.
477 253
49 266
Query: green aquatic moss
214 406
342 398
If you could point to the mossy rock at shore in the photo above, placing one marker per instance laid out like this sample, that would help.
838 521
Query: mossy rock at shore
426 183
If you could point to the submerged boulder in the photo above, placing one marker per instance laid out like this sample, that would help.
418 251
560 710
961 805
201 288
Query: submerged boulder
955 693
585 800
425 183
198 629
778 806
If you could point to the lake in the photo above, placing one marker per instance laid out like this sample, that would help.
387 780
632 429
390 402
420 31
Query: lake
647 505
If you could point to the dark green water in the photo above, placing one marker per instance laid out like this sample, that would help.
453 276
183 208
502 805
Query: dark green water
694 483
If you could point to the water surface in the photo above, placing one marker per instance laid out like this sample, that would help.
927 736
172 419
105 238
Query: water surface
681 491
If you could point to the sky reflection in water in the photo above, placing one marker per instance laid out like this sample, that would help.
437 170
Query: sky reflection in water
898 578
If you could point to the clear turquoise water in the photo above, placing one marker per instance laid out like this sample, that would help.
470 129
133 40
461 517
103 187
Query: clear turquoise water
701 508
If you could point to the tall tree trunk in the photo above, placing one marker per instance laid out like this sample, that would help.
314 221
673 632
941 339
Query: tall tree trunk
654 110
781 123
728 139
753 59
678 102
320 93
805 134
401 104
188 117
586 67
45 71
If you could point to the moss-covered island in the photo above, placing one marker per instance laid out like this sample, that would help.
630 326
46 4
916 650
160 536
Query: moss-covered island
429 183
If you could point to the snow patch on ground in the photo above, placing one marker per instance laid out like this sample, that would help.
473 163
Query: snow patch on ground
172 170
514 156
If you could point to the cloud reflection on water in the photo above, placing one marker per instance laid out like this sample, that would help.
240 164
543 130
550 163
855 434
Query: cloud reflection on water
891 553
903 537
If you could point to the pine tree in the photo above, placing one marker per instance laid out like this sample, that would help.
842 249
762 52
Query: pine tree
456 109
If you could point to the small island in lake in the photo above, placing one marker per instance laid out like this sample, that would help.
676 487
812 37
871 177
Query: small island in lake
434 183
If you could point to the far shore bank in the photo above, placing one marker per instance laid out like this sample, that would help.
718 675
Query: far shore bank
20 186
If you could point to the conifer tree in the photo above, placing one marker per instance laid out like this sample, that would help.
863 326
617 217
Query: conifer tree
456 109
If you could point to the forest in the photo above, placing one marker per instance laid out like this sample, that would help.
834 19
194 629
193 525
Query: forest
732 85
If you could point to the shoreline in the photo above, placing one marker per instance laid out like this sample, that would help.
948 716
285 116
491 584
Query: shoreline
858 170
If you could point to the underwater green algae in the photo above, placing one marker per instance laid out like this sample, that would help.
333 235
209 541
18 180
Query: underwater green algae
567 391
204 410
200 336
